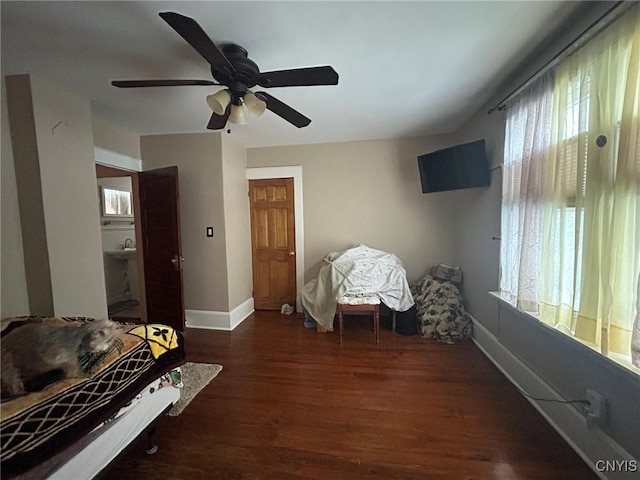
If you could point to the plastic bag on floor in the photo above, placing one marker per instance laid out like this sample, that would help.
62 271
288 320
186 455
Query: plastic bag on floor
286 309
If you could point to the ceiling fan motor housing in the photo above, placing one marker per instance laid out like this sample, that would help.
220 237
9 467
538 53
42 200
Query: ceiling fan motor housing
246 71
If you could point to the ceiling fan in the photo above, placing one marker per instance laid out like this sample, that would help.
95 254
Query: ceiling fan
231 67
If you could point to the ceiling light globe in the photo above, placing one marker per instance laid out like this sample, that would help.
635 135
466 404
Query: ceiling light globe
237 115
255 106
219 101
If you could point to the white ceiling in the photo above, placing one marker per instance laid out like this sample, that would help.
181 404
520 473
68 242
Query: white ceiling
406 68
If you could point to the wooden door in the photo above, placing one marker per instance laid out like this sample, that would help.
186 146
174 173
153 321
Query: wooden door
273 243
160 225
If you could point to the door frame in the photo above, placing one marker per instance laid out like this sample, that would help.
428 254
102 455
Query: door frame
124 166
295 172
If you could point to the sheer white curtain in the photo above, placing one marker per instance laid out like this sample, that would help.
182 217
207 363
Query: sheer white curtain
570 248
528 133
635 334
591 234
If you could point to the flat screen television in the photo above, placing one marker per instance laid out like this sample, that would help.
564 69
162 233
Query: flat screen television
453 168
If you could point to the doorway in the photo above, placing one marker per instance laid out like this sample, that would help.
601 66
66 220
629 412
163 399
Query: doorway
295 173
155 256
123 262
273 245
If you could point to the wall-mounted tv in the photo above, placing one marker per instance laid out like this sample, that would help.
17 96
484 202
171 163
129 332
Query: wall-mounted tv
453 168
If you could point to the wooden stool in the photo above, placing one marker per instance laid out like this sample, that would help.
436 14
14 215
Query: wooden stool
374 309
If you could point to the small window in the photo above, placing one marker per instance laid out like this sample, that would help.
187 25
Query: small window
116 203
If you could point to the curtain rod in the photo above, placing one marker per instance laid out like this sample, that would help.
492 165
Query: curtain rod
591 31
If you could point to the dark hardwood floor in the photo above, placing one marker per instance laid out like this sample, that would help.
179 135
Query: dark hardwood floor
292 404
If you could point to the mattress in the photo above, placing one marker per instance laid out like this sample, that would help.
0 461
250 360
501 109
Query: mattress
36 426
114 437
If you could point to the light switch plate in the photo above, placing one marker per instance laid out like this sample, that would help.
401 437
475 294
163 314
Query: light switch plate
209 231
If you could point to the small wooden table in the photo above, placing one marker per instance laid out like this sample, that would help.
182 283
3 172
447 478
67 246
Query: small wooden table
366 308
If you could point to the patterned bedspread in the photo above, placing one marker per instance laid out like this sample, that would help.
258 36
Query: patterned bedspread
35 426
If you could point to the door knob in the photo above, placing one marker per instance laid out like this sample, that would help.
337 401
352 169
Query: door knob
291 254
177 262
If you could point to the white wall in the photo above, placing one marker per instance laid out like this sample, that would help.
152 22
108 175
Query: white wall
64 136
13 293
52 127
477 220
198 157
237 222
368 192
26 166
213 193
115 138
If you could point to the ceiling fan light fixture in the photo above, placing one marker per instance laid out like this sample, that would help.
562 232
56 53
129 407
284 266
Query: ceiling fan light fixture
237 115
219 101
255 106
232 68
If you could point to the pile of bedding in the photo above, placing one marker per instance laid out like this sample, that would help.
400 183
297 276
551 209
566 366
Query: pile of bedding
440 310
356 273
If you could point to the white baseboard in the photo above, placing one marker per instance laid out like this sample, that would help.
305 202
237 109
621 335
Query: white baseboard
592 445
226 321
242 311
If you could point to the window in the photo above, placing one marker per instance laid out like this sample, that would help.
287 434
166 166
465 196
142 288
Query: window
116 202
570 249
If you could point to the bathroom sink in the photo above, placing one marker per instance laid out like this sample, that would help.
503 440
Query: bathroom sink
124 254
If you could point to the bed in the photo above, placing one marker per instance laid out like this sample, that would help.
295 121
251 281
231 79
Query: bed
73 428
357 276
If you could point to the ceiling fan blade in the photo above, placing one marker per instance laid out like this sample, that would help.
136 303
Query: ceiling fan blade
283 110
217 122
158 83
299 77
189 29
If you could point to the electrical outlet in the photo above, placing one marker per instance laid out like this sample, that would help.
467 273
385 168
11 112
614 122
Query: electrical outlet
597 409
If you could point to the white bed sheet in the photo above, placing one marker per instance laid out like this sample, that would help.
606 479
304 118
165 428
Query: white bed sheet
376 273
100 452
356 272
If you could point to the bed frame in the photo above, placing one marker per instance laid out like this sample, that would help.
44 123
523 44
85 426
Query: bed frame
53 433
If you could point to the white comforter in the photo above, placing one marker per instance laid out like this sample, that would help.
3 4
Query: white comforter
356 271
